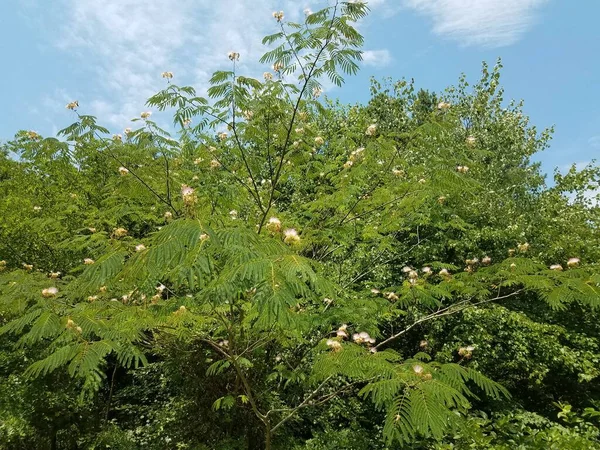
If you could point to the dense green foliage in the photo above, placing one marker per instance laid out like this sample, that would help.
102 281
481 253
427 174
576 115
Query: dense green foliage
290 273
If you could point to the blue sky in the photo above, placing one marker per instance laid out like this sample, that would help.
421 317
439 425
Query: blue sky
109 55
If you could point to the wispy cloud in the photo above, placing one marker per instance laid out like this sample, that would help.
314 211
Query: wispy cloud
377 58
486 23
126 44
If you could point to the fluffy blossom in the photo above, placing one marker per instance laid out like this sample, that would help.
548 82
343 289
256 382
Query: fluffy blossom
274 225
319 141
443 106
486 261
471 141
371 130
188 195
523 247
573 262
88 261
348 164
290 236
462 169
119 232
268 76
49 292
123 170
363 338
145 114
167 75
278 15
233 56
203 237
72 105
334 345
556 267
168 215
140 248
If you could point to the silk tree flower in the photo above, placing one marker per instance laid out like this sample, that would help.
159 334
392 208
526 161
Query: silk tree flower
187 122
233 56
426 270
140 248
443 106
73 105
573 262
348 164
203 237
486 261
398 172
127 130
117 138
268 76
92 298
316 92
214 164
119 232
406 269
556 267
341 333
444 273
375 291
222 136
37 208
88 261
334 345
392 296
233 214
462 169
168 215
54 275
145 114
371 130
278 16
167 75
319 141
274 225
418 369
49 292
188 195
299 130
471 141
291 236
278 66
422 181
27 267
362 338
307 12
123 170
523 247
355 154
33 135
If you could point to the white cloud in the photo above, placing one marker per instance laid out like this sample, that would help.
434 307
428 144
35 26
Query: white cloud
377 58
594 141
486 23
127 44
